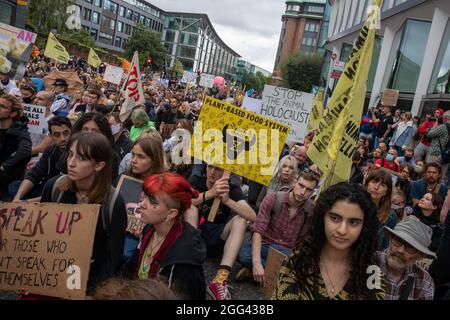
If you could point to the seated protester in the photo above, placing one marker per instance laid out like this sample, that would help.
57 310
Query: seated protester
283 219
302 159
284 178
133 289
408 158
176 146
44 140
404 279
429 184
377 154
227 231
93 94
126 161
331 262
379 185
383 147
398 201
95 122
61 104
89 181
404 182
147 159
141 122
169 246
428 211
122 142
49 165
440 267
15 143
389 162
356 175
28 92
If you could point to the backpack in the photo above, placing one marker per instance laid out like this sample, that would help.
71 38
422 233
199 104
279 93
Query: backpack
445 152
107 206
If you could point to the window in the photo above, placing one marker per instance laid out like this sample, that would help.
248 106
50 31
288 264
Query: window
87 13
345 52
88 1
98 3
441 76
120 26
189 39
170 36
124 42
129 14
94 33
118 42
85 28
187 52
122 11
105 38
95 17
315 9
135 16
410 56
6 14
110 6
312 27
127 29
108 23
142 19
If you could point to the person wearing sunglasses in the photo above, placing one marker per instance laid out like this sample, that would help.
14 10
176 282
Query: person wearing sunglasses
404 279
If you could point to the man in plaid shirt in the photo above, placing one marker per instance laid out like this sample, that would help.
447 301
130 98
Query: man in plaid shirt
404 279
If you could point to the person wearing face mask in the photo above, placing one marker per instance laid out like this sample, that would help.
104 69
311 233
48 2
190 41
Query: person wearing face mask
408 243
428 212
389 162
122 141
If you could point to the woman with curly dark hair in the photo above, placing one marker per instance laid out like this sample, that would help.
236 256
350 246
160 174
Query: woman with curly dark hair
332 260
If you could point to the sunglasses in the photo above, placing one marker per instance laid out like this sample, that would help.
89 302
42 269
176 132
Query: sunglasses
397 242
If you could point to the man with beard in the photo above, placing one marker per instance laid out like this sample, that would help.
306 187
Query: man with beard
429 184
49 165
408 243
42 141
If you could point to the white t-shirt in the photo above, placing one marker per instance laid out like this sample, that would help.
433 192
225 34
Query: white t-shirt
10 88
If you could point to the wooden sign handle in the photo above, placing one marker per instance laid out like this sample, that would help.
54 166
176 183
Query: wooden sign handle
216 203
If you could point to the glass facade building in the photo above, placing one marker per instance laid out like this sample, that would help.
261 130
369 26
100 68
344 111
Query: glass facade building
191 39
13 13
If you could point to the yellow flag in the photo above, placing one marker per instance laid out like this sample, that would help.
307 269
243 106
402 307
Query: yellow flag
55 50
333 147
93 58
316 111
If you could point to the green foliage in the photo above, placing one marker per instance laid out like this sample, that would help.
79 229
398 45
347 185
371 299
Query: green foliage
81 37
256 81
302 72
177 68
46 15
148 44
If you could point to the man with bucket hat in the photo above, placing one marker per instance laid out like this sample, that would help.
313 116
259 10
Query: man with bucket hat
404 279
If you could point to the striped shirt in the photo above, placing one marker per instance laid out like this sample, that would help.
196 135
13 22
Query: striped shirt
423 285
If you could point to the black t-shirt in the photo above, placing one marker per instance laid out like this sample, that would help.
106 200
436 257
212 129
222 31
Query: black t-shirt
2 132
384 122
224 213
169 117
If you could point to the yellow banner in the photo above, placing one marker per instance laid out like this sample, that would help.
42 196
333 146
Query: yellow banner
237 140
338 129
316 111
93 59
55 50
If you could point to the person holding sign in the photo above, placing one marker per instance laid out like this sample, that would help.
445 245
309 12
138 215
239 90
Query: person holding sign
227 231
169 246
88 180
333 260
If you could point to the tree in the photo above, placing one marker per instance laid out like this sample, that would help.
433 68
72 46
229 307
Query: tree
253 81
177 68
46 15
148 44
79 37
302 72
264 80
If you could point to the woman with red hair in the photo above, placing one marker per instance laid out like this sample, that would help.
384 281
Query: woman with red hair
168 245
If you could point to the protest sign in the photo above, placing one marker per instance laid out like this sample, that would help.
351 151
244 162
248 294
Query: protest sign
390 97
237 140
47 248
337 70
36 117
130 190
207 80
132 89
189 78
113 74
425 263
72 79
16 46
251 104
274 261
289 107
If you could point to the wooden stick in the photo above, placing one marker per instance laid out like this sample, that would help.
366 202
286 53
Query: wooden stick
216 203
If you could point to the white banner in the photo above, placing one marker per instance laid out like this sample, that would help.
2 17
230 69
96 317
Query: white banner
189 78
113 74
36 117
132 87
252 104
207 80
290 107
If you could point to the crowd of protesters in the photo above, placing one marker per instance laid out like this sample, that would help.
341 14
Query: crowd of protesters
392 213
